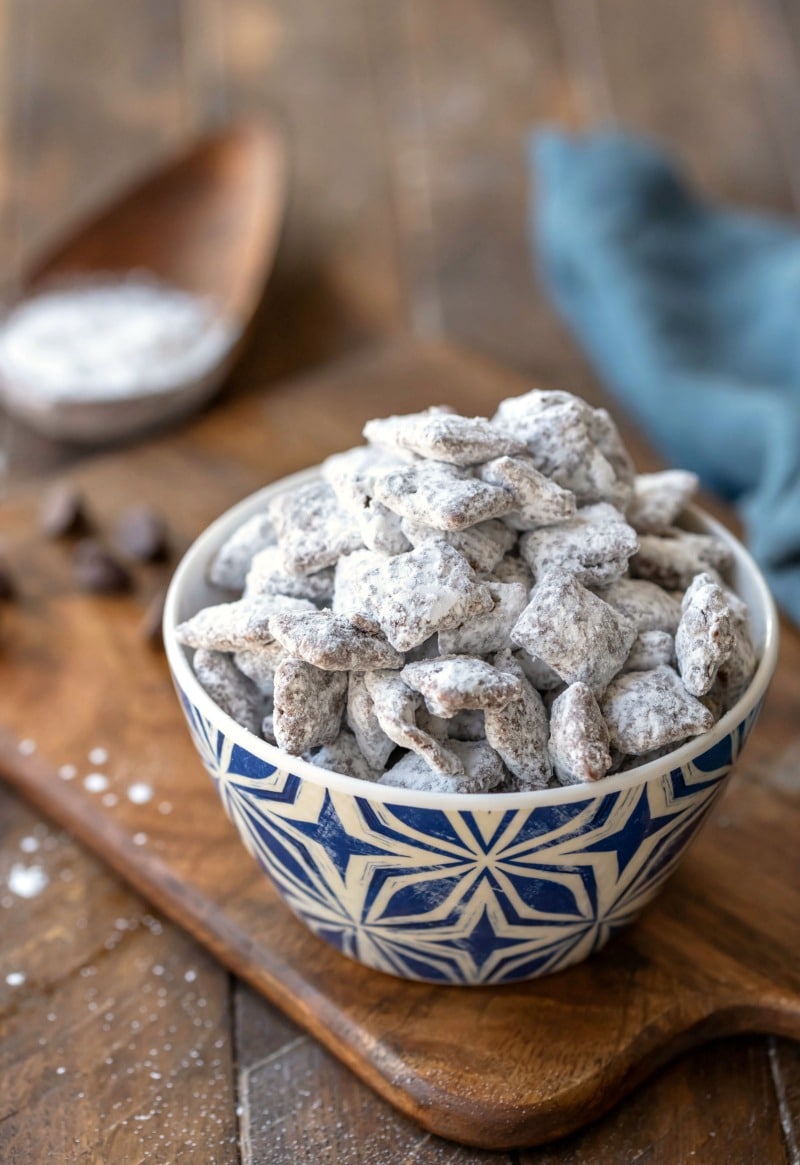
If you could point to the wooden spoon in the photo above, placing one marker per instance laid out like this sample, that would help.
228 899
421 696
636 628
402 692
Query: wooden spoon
208 222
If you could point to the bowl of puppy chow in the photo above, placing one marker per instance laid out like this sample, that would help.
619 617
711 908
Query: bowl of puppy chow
468 690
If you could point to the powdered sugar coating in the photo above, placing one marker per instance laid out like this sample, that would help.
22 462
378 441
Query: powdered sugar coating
343 755
266 576
313 531
518 731
229 566
483 545
334 642
649 606
650 709
455 682
351 476
706 634
411 595
538 501
441 496
482 634
512 569
375 745
259 664
396 706
650 649
482 771
229 689
309 704
659 499
595 546
236 626
443 436
672 561
579 739
573 631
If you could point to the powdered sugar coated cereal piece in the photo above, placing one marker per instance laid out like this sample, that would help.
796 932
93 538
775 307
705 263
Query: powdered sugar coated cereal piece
673 561
373 742
259 664
482 634
351 476
455 682
236 626
482 771
649 606
649 709
230 564
607 438
441 496
309 704
737 670
538 501
660 498
706 635
483 545
266 576
573 631
518 731
313 531
382 433
467 725
483 767
396 706
344 756
512 569
540 674
650 649
412 772
594 546
579 740
447 437
334 642
411 595
228 688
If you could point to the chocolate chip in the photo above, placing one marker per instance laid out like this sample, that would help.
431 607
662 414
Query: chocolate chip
151 626
63 512
97 570
141 534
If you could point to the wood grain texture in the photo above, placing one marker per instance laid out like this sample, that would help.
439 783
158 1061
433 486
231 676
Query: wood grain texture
716 954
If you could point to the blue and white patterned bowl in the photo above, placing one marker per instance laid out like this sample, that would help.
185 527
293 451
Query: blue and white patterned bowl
453 888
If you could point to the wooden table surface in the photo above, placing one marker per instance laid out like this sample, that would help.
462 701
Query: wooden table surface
407 123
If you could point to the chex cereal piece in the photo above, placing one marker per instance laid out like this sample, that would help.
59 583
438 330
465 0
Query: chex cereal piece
607 438
540 674
483 545
334 642
483 768
444 436
649 606
650 649
351 476
313 531
442 496
259 664
229 689
344 756
229 566
373 742
579 741
482 634
706 634
538 501
396 706
412 772
660 498
382 432
581 637
518 731
649 709
266 576
512 569
467 725
559 442
454 682
309 704
431 588
594 546
737 670
673 561
236 626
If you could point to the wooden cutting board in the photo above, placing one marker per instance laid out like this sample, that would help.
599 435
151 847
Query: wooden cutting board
719 952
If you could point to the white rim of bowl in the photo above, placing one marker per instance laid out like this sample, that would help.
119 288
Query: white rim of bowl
206 544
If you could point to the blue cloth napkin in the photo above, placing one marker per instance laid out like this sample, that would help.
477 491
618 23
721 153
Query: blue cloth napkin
691 315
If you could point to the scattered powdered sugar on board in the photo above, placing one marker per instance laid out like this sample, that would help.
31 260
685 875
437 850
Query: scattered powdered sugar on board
68 772
29 845
27 881
140 839
95 782
110 338
98 756
15 978
27 747
140 793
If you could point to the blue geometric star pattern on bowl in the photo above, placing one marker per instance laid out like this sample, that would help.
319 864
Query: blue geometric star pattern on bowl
490 896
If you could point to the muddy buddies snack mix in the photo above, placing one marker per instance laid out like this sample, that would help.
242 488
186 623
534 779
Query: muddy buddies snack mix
474 605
